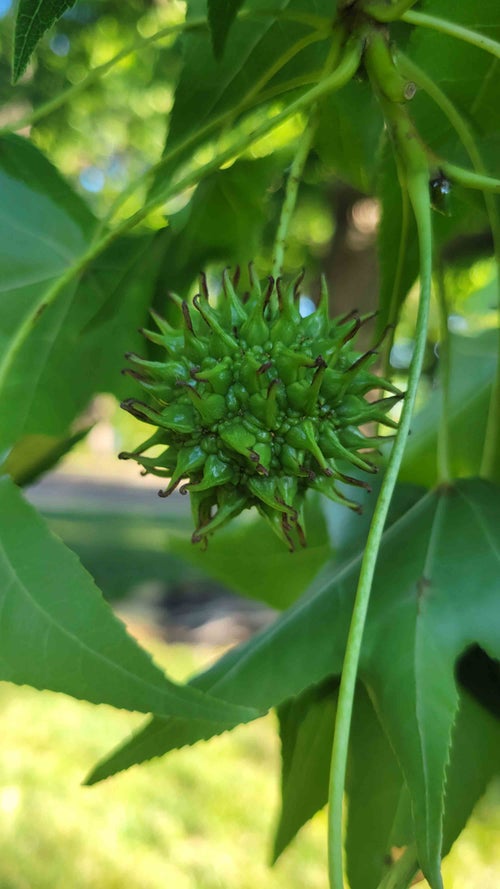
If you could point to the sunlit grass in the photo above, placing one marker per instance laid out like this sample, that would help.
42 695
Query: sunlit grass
201 818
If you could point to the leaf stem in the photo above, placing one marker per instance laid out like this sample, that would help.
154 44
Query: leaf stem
469 179
413 157
443 442
418 192
292 187
298 164
453 30
393 306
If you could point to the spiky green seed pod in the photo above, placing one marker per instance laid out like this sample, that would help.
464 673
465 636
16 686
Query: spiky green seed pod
255 404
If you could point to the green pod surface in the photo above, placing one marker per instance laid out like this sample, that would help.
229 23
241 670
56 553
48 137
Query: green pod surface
254 404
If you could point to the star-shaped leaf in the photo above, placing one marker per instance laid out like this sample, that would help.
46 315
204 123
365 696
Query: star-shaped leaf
379 819
435 594
58 633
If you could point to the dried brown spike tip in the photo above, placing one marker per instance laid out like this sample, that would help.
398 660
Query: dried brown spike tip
187 316
204 286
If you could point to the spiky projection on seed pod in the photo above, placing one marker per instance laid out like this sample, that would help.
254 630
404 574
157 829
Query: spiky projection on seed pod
255 404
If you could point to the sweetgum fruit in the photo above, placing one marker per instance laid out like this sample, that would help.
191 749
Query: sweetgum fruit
254 404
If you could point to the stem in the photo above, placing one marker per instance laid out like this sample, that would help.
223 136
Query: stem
453 30
469 179
96 73
413 158
418 189
185 147
387 12
346 69
292 187
298 165
401 872
489 468
443 443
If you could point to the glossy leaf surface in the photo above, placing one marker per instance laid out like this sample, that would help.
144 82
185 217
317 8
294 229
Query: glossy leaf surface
221 15
435 593
258 57
58 633
34 17
473 361
45 228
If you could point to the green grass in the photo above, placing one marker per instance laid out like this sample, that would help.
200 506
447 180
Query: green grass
199 819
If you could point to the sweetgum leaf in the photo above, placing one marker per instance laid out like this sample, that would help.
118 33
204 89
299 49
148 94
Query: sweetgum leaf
378 804
350 150
208 87
44 228
58 633
282 576
34 17
223 222
65 350
36 454
473 364
375 791
221 15
435 593
397 243
306 732
465 73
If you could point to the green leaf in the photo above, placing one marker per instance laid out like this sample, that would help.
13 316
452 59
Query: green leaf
446 59
473 363
435 593
34 17
221 15
474 761
207 88
44 228
375 789
347 533
378 804
83 336
306 732
34 455
57 632
55 356
223 222
351 150
396 242
282 576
